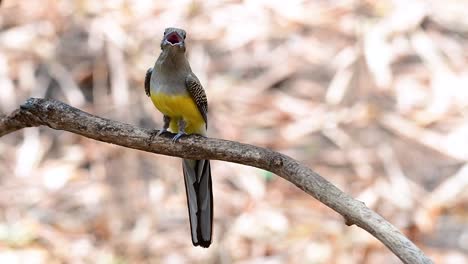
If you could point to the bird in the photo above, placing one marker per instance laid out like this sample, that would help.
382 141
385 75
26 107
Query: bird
178 94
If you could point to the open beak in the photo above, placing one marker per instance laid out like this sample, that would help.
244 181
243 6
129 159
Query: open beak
174 39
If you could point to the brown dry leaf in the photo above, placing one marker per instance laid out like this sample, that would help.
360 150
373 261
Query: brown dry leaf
367 93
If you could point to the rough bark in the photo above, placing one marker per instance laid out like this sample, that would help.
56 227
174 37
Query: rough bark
60 116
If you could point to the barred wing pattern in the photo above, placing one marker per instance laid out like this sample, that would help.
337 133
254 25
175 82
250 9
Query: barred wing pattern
147 81
198 95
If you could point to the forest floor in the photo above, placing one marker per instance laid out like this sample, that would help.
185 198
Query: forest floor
373 95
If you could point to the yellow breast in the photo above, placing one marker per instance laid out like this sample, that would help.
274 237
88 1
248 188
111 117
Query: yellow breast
177 107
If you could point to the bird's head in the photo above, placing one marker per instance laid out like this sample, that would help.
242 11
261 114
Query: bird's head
173 40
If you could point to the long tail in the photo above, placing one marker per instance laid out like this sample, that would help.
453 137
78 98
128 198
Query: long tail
197 177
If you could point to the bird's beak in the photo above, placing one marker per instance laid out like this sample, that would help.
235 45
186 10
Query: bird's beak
174 39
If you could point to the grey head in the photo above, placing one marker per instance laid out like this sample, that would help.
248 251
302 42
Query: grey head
173 40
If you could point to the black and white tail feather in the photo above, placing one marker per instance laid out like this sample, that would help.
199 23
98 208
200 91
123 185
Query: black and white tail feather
197 177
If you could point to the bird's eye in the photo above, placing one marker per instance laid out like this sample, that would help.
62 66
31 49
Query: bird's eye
184 35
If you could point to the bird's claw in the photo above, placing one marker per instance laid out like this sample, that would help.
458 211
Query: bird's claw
160 132
156 133
178 136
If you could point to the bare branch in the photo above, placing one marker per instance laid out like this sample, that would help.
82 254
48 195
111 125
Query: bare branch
60 116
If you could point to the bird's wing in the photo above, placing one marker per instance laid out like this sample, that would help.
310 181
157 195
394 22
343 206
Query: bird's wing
147 81
198 95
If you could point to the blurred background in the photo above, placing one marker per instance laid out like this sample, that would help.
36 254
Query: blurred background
373 95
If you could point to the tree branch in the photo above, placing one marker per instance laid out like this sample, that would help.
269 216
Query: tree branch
60 116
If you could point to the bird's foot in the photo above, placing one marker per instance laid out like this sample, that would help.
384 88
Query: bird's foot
162 131
155 133
178 136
